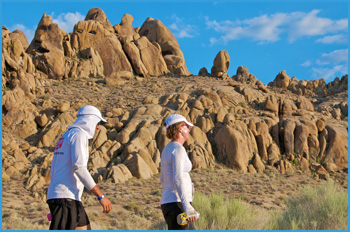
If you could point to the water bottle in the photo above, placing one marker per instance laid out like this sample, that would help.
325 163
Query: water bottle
182 217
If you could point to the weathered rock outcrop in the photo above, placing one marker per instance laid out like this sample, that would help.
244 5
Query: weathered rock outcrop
125 31
47 48
243 76
310 88
235 146
18 67
93 34
150 54
91 64
282 80
337 150
155 31
98 15
18 113
221 65
280 128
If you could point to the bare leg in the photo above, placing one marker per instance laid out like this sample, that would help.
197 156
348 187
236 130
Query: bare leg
87 227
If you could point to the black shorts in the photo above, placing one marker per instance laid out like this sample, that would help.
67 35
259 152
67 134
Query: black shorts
170 212
67 214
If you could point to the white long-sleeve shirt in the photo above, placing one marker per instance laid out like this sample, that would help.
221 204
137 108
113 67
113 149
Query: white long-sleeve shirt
175 177
69 172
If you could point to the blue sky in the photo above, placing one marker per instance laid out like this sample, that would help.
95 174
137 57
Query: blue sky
308 39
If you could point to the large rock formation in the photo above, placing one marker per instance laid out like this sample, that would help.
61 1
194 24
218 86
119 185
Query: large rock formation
282 80
310 88
150 54
221 65
235 145
125 31
155 31
240 122
47 48
92 33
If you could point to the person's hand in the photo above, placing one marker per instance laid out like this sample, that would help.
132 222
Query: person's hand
106 204
192 219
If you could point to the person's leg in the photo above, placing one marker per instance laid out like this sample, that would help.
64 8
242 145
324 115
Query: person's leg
170 212
58 213
87 227
83 219
68 214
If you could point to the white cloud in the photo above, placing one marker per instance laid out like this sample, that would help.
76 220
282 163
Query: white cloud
66 21
330 73
312 25
330 65
333 58
271 27
28 32
174 27
213 41
184 34
181 29
265 28
342 39
306 63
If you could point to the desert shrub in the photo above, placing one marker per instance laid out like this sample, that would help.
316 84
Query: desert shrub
219 213
159 225
322 208
134 222
134 207
15 221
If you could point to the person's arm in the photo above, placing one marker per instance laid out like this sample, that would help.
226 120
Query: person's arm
80 154
104 201
178 170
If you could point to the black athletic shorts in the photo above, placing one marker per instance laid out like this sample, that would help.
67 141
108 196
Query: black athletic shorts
67 214
170 212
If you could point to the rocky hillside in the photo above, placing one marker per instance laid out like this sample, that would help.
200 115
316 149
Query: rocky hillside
137 77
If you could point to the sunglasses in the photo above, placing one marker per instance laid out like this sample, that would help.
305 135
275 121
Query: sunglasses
188 126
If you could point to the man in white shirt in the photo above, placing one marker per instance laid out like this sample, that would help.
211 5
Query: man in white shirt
69 174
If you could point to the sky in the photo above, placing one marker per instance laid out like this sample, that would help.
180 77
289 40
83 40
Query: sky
308 39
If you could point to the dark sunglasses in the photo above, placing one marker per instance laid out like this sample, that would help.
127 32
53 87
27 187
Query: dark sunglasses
101 123
188 126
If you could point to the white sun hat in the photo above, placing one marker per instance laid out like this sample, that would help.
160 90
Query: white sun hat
174 118
91 110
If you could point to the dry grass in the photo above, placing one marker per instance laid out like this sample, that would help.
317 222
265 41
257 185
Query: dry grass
20 222
220 213
321 208
136 202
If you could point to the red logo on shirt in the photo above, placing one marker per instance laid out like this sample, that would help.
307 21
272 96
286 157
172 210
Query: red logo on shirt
59 144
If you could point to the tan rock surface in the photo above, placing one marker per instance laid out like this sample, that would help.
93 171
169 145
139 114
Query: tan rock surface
151 57
47 48
221 64
155 31
93 34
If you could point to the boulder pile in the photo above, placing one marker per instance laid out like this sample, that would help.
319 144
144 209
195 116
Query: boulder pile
286 127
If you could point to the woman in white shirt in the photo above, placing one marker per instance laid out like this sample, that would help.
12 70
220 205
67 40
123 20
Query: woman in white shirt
177 186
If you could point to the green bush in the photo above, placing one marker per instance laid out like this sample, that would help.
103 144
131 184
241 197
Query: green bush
321 208
219 213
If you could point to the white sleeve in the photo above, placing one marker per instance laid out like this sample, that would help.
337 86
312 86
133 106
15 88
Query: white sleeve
80 157
178 171
85 177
